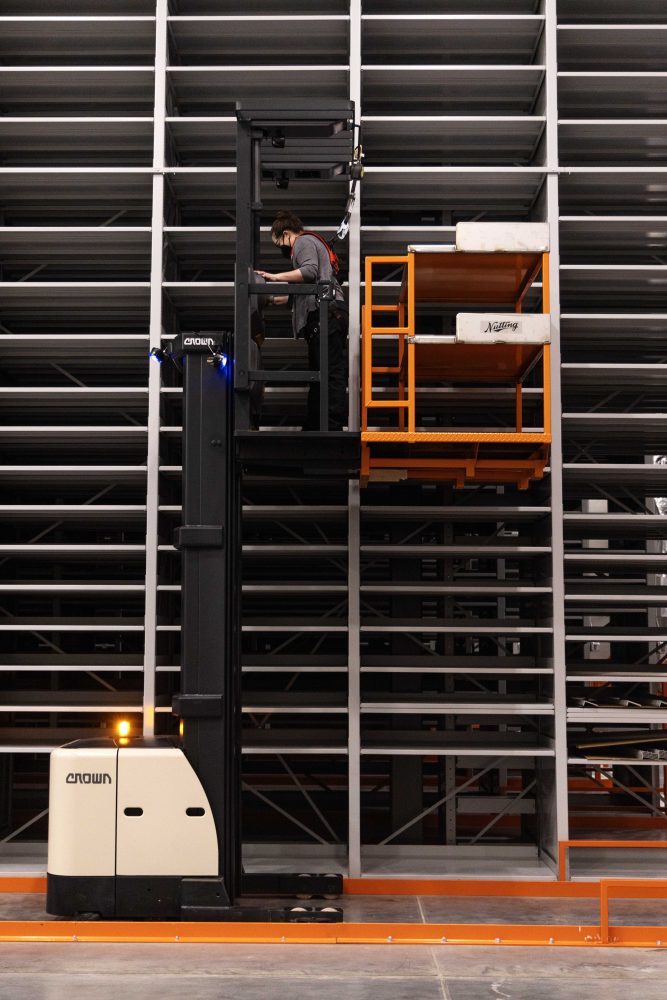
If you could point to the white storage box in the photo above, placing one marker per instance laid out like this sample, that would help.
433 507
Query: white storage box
503 328
502 237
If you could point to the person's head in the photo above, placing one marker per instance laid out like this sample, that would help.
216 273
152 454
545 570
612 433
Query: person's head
285 229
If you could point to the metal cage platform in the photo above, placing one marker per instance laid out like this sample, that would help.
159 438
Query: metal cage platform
491 352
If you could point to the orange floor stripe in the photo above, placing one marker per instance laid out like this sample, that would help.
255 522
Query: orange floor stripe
469 887
22 883
403 887
361 933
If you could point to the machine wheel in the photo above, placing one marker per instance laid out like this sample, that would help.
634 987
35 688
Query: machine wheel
304 895
334 895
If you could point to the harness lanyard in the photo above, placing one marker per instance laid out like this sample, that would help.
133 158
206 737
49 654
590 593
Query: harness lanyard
356 174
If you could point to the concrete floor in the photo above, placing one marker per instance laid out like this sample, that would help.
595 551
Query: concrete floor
431 909
334 972
346 972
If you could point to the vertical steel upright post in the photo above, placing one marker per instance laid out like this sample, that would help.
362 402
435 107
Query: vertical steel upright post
556 460
155 330
354 510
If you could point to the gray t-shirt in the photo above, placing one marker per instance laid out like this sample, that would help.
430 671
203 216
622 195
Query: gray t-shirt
310 256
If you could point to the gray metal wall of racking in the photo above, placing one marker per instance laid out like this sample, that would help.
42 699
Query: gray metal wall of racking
417 660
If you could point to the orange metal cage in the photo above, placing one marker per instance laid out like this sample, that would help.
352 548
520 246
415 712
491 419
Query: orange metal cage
459 456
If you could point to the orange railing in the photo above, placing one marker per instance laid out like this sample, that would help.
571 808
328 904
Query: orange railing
564 846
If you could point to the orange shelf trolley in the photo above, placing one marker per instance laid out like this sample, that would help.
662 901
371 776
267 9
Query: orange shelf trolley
492 266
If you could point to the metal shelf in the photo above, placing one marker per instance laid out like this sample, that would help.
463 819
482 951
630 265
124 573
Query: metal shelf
622 141
460 587
613 190
443 744
77 90
467 627
446 89
434 7
450 38
612 284
613 94
598 716
471 664
612 46
596 559
215 89
88 475
611 11
247 39
474 189
631 674
467 513
478 707
615 238
75 141
450 139
637 432
60 40
107 513
615 376
614 525
471 550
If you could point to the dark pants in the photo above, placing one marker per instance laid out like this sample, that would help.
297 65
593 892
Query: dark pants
338 323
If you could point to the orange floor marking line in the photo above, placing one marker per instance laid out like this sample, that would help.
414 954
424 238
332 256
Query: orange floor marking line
22 883
469 887
401 887
171 932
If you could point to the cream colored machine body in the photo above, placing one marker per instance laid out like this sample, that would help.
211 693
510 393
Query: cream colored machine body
125 822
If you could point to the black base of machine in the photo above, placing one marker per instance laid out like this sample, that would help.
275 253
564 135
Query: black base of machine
128 897
291 884
335 454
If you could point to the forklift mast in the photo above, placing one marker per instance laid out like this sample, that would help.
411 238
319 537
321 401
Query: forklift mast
295 142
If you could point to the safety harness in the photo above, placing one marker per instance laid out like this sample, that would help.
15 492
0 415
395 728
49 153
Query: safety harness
333 256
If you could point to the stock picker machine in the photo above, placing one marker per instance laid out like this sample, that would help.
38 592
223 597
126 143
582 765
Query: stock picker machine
151 828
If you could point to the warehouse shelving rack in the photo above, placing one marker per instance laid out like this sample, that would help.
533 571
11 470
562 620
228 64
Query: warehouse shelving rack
369 694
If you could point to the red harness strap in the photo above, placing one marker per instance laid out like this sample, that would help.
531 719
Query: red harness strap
333 256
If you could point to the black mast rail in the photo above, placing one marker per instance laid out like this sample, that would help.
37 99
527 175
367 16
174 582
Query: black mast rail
208 539
210 700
